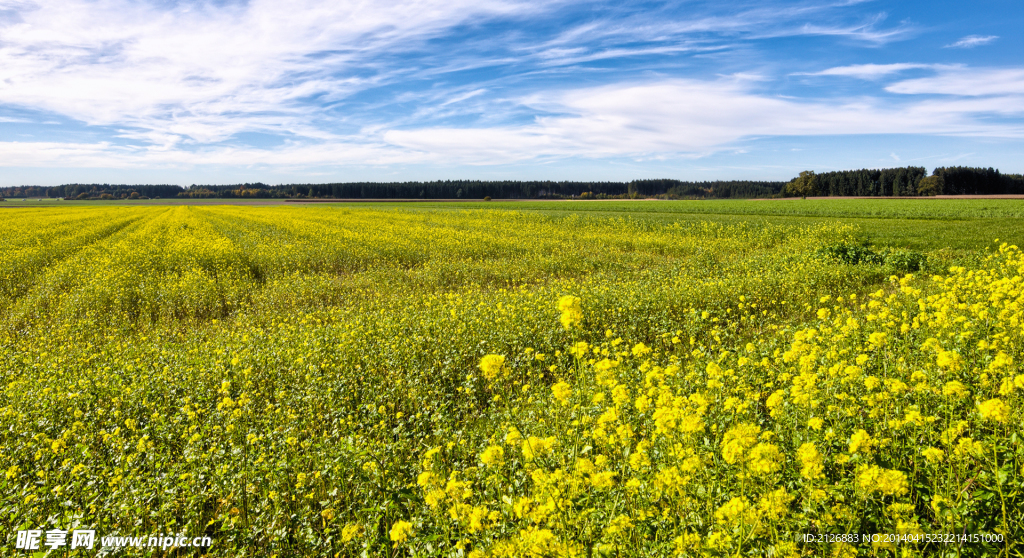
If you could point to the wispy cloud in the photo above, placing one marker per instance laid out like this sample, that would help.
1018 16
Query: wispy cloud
686 117
972 41
667 118
966 81
868 71
202 72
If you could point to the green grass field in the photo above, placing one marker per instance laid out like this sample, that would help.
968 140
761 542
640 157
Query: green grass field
638 378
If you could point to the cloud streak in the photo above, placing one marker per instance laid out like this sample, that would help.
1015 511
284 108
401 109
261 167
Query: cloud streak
668 118
868 71
688 117
969 82
972 41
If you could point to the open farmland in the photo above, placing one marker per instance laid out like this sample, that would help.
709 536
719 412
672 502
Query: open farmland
620 379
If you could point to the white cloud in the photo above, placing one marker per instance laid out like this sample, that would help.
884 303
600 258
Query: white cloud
108 155
869 71
972 41
201 72
966 82
689 117
667 118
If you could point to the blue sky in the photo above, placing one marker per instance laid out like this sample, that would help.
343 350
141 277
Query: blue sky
159 91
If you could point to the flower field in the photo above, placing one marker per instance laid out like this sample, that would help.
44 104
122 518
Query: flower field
346 381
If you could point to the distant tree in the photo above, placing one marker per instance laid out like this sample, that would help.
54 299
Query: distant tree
804 185
930 186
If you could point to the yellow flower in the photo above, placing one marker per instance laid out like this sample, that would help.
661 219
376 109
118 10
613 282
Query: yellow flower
949 360
775 504
765 459
994 409
476 518
810 461
733 510
933 455
640 349
639 459
492 366
774 403
584 466
605 479
435 497
815 423
687 542
968 447
861 442
513 436
954 389
534 447
618 525
400 531
537 542
737 440
493 455
351 531
579 349
572 313
562 392
620 395
889 482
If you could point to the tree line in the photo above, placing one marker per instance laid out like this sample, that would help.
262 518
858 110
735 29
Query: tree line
903 181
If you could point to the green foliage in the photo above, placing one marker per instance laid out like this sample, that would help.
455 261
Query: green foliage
900 261
930 186
802 186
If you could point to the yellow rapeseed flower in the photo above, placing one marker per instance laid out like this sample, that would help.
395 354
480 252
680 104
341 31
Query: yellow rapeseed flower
492 456
995 410
562 392
811 466
572 312
400 531
492 366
